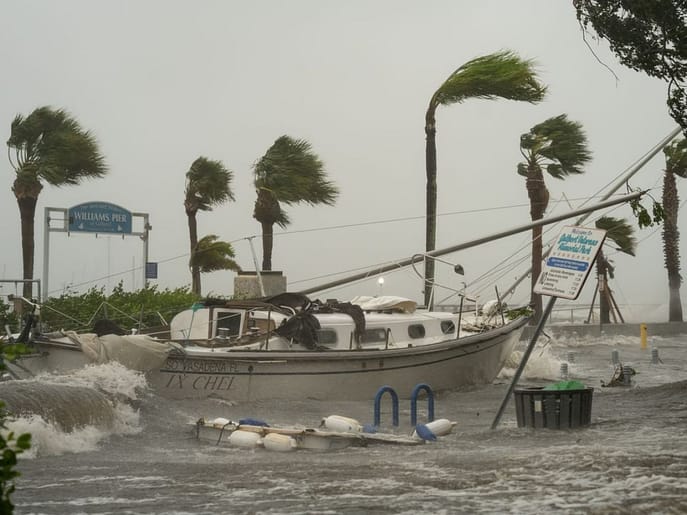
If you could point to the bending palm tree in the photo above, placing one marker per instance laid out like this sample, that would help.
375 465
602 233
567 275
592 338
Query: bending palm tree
289 172
50 147
560 146
208 184
676 164
211 255
622 234
499 75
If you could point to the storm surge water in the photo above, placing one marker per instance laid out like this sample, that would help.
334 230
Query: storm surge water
631 459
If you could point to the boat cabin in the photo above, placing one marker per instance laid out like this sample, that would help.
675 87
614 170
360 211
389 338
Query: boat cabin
249 325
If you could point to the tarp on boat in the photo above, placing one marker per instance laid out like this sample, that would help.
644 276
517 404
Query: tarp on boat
137 352
384 303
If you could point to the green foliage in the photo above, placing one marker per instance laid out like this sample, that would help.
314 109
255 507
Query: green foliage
512 314
294 173
499 75
11 446
211 255
620 232
143 308
648 36
644 219
558 144
50 145
8 317
208 184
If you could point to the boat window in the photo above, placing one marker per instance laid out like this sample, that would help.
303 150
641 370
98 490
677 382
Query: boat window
416 331
374 335
326 336
448 327
230 320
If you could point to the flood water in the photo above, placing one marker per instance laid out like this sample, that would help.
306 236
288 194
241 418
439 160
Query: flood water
144 458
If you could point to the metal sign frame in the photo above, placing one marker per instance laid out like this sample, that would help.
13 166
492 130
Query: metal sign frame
63 226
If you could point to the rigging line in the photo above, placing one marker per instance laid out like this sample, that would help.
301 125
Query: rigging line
400 219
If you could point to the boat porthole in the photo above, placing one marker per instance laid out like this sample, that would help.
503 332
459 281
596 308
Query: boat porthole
250 369
381 363
364 365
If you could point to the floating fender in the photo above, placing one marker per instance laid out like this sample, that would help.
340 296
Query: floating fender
253 422
341 424
440 426
247 439
219 421
279 443
422 431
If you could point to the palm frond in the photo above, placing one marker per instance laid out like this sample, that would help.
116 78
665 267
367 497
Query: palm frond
55 147
620 232
294 173
208 184
499 75
212 255
676 157
558 145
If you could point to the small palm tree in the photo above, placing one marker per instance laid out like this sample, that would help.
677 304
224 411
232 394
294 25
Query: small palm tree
212 255
208 184
558 146
621 233
49 147
499 75
676 165
288 173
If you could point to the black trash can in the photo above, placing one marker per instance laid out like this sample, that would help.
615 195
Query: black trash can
553 409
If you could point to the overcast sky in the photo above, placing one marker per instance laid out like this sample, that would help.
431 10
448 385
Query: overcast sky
160 83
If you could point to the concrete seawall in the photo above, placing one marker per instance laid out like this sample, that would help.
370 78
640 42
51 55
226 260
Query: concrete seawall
652 329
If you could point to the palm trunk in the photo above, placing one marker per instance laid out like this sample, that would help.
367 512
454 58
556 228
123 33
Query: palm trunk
267 242
193 237
539 200
431 200
27 210
671 246
604 304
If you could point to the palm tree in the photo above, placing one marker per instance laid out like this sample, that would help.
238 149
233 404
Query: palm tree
288 173
49 147
499 75
559 146
211 255
208 184
621 233
676 164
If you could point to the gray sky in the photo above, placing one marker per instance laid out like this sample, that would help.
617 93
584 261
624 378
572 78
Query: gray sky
160 83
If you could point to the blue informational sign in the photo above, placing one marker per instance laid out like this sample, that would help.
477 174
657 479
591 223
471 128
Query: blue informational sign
100 217
151 270
570 260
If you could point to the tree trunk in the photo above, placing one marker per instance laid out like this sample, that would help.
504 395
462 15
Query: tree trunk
27 210
671 246
604 304
431 200
267 242
539 200
193 238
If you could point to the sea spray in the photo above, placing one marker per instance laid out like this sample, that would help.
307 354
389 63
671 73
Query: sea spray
75 412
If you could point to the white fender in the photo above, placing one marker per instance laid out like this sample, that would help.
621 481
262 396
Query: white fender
341 424
440 427
279 443
247 439
219 421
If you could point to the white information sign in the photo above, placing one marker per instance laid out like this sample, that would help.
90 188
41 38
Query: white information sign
568 264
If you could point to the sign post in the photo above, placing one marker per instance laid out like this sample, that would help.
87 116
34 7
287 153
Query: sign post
92 217
568 264
564 273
